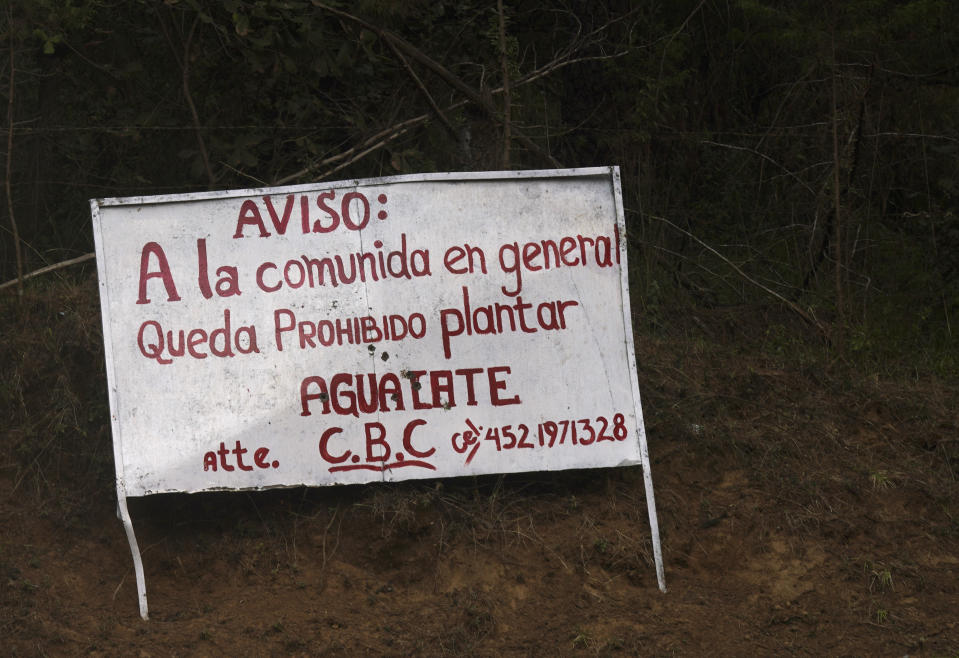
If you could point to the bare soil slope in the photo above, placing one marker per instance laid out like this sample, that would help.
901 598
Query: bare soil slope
808 507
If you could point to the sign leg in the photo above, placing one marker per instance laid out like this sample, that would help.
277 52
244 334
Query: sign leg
653 522
135 550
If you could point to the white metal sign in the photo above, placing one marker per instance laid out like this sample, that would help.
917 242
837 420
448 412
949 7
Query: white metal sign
384 329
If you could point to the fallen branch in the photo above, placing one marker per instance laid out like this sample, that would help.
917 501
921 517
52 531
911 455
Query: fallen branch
49 268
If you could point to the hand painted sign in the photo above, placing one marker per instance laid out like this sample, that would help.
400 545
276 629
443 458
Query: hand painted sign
385 329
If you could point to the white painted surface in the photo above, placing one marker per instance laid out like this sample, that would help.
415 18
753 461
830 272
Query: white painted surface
167 417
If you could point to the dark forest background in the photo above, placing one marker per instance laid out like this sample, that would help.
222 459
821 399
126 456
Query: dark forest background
796 155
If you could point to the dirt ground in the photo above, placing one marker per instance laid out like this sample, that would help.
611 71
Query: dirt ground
807 507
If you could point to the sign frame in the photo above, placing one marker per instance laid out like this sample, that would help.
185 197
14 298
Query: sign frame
99 207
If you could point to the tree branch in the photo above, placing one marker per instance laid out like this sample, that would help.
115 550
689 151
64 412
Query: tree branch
365 152
380 139
764 157
184 65
504 63
189 99
48 268
419 83
8 182
445 74
385 136
837 203
808 317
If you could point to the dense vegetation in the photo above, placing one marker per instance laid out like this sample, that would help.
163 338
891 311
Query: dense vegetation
802 154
